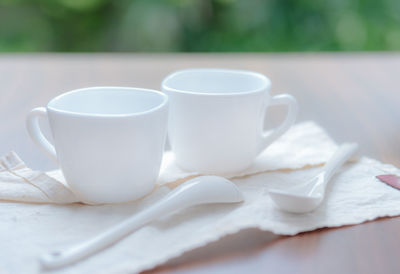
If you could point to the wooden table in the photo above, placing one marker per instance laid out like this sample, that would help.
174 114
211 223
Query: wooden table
356 97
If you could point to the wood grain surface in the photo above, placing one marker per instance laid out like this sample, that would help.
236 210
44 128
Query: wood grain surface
355 97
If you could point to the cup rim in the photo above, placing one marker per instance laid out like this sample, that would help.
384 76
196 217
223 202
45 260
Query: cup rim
163 103
264 87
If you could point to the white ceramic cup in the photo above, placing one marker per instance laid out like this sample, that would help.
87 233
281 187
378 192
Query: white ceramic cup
216 118
108 141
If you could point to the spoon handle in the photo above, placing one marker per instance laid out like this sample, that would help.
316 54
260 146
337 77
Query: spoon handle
182 197
75 253
342 154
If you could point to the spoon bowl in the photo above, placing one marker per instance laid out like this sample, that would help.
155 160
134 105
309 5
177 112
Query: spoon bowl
308 196
295 203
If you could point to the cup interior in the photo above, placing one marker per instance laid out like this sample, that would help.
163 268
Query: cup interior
108 101
216 81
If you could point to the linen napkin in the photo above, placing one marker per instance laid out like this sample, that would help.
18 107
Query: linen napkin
354 196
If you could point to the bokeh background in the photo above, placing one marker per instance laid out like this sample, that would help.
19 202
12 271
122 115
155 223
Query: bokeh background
199 25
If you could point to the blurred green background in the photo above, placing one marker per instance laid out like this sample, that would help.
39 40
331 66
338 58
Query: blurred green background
198 25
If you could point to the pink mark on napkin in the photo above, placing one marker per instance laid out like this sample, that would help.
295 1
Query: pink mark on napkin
390 179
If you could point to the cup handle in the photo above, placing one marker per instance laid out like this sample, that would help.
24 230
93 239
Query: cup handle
32 125
271 136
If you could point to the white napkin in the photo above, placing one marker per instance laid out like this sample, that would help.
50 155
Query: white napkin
354 196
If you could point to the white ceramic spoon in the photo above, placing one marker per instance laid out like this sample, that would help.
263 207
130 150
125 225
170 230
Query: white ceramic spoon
308 196
200 190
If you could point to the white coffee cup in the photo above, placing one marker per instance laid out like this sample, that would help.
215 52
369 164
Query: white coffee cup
108 141
216 118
